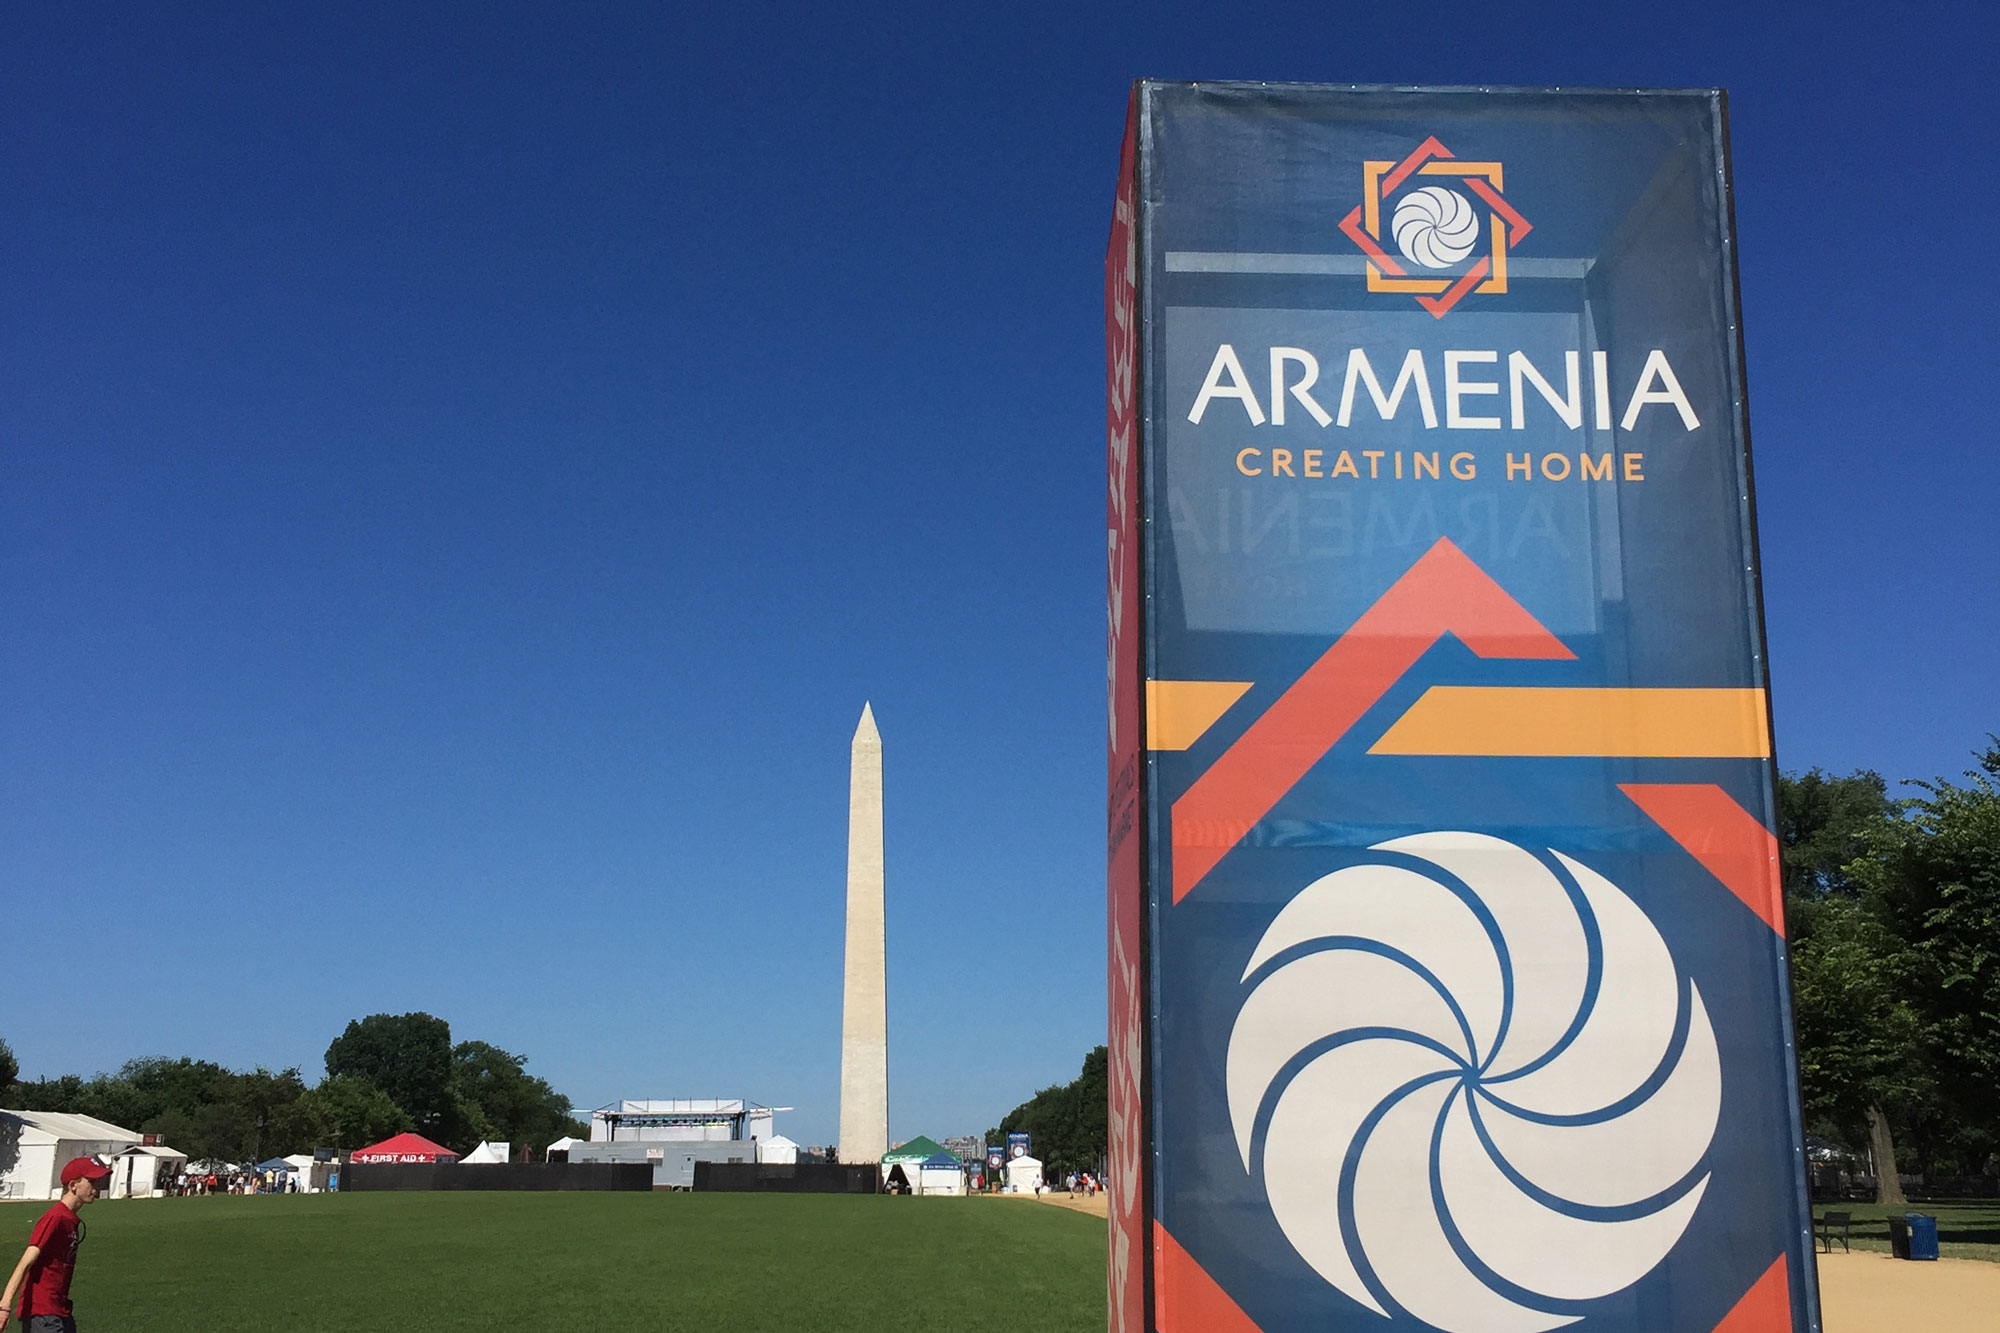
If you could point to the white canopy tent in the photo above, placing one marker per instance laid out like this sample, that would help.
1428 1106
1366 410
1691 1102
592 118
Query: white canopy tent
940 1177
1024 1173
311 1173
778 1148
143 1170
44 1140
561 1145
488 1154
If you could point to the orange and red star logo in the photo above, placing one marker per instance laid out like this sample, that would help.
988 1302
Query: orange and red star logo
1435 227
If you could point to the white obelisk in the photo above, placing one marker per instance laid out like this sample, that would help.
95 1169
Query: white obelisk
864 1009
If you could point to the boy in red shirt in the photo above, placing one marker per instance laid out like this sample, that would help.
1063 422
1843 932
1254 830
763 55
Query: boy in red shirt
50 1258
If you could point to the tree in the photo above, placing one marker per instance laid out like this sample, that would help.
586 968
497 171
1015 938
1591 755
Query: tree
150 1087
347 1111
266 1106
1067 1122
499 1099
407 1056
10 1131
62 1093
140 1093
1823 827
1934 879
1860 1039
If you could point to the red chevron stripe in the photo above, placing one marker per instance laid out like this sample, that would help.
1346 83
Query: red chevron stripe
1766 1307
1730 842
1185 1298
1443 593
1472 277
1517 226
1426 150
1351 224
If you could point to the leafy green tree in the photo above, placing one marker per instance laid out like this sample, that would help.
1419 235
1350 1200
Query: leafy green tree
1067 1122
10 1131
195 1105
407 1056
1860 1041
1823 827
476 1092
146 1089
499 1099
266 1106
347 1111
1860 1037
62 1093
1934 879
138 1095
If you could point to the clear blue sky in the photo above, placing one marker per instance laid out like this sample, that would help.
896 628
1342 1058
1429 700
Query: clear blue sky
463 467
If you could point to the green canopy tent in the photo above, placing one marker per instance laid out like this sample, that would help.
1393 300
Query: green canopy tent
928 1165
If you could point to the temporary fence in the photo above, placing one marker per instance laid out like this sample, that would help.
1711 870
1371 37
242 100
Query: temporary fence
786 1178
518 1176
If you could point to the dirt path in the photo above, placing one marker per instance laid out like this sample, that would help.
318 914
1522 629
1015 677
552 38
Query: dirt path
1097 1205
1859 1292
1872 1293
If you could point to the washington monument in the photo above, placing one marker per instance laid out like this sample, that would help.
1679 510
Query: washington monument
864 1021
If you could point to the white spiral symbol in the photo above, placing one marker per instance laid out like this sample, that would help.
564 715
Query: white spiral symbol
1435 227
1468 1092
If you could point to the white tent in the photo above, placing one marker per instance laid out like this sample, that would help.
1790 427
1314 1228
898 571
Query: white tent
777 1148
142 1170
1024 1173
44 1140
941 1178
561 1145
488 1154
311 1174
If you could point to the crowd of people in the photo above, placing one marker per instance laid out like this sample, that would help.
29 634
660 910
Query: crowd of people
186 1184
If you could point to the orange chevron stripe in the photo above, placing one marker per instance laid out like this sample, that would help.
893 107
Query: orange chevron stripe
1179 711
1530 721
1498 282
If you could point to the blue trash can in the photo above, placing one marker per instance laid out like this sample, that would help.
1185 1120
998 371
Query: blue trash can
1923 1235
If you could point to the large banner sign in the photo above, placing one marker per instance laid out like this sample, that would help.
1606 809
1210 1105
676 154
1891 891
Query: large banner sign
1447 959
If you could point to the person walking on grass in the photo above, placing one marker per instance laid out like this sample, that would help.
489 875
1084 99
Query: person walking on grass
42 1277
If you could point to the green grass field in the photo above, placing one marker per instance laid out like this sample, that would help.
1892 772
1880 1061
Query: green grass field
633 1261
1965 1230
584 1261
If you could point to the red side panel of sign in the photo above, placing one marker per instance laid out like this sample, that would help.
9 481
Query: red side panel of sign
1126 885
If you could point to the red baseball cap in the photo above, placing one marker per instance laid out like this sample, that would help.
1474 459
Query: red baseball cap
79 1168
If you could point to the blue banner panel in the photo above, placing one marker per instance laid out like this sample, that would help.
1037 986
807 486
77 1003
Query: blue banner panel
1466 991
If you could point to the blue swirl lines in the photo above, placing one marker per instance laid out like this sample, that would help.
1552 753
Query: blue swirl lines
1474 1084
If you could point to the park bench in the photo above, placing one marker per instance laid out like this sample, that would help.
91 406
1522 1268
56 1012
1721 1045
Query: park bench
1828 1224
